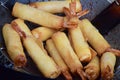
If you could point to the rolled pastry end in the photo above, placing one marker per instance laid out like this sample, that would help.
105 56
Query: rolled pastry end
20 61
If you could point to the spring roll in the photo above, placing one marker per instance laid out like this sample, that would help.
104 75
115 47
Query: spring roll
44 63
57 58
80 46
55 6
14 46
40 17
28 32
43 33
92 69
95 39
108 60
66 52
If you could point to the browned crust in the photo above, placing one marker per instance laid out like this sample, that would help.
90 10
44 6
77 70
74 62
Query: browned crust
17 29
33 5
20 61
81 73
91 72
107 74
67 75
115 51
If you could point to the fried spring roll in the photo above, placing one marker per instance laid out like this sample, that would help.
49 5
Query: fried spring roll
108 60
95 39
57 58
55 6
40 17
92 70
43 33
66 52
14 46
28 32
44 63
80 46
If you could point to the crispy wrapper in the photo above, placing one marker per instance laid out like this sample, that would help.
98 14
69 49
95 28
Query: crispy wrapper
65 50
108 60
93 36
44 63
80 46
28 32
40 17
14 46
43 33
92 69
55 6
25 30
58 59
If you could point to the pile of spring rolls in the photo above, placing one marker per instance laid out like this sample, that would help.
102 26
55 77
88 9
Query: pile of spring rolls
69 41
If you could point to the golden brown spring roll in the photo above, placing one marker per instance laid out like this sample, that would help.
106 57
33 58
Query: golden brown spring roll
92 69
66 52
55 6
52 51
108 60
44 63
28 32
43 33
40 17
80 46
14 46
95 39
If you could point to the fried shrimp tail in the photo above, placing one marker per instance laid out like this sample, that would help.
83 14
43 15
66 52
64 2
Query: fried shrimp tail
115 51
45 64
14 46
67 53
72 18
52 51
108 60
